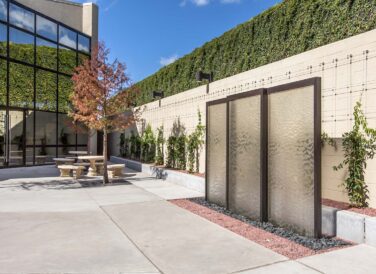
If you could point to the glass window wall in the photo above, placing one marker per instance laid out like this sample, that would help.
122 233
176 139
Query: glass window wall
3 10
41 61
3 82
67 60
21 17
65 91
3 40
46 28
21 86
21 46
83 43
68 37
46 87
46 54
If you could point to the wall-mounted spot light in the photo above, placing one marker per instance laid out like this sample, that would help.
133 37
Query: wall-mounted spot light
201 76
159 95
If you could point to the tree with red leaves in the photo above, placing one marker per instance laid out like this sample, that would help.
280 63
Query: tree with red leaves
99 100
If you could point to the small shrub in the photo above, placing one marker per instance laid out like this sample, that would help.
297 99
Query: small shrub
148 145
159 158
135 146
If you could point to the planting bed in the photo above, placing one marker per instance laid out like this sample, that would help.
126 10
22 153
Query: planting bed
345 206
282 241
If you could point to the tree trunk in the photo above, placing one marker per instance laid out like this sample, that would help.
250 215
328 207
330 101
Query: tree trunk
105 173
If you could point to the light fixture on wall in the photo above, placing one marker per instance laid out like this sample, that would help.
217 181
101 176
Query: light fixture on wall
201 76
159 95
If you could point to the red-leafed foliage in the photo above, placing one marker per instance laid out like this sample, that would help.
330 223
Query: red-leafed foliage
97 99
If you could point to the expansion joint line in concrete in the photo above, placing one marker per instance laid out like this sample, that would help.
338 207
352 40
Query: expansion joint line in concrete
275 263
311 267
257 267
130 239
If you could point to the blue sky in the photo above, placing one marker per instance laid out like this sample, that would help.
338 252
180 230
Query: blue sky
148 34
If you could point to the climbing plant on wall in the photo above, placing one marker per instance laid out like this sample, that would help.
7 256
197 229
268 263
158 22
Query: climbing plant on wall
284 30
194 145
359 145
176 147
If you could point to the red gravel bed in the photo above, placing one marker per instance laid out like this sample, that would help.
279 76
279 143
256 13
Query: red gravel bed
346 206
269 240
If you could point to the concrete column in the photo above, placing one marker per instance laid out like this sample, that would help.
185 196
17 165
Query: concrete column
90 15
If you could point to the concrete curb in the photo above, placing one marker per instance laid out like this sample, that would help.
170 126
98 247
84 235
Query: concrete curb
350 226
189 181
370 231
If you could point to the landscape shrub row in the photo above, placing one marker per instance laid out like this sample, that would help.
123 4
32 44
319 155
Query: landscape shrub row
182 150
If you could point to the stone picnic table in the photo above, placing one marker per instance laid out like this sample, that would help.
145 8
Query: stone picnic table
74 152
93 160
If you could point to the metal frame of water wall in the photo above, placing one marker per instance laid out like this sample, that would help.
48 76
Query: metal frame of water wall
265 192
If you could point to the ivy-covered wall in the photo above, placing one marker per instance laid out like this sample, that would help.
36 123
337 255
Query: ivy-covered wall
287 29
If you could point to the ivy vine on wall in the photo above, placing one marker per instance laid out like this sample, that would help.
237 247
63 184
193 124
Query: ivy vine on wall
359 145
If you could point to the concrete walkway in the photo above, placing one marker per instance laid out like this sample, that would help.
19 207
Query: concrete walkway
54 225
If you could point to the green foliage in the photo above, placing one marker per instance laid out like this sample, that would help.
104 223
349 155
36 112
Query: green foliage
194 145
359 145
124 146
176 147
325 139
159 158
287 29
148 145
181 162
135 146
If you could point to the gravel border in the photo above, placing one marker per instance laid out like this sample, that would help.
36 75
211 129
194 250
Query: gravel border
311 243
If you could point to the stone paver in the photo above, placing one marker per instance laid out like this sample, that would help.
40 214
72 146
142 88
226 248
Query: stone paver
358 259
74 242
181 242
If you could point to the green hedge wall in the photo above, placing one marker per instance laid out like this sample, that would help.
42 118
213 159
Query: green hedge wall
287 29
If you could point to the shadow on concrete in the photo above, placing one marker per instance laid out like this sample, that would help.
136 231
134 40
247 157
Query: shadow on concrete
60 184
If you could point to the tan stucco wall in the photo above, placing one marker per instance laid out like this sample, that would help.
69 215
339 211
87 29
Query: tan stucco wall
347 69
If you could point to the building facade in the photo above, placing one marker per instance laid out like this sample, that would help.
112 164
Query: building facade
41 42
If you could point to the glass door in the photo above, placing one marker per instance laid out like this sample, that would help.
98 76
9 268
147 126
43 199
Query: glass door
16 138
12 138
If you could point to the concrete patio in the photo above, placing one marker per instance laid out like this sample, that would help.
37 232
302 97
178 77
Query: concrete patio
54 225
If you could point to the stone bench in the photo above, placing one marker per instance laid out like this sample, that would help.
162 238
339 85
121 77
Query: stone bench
115 170
71 171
